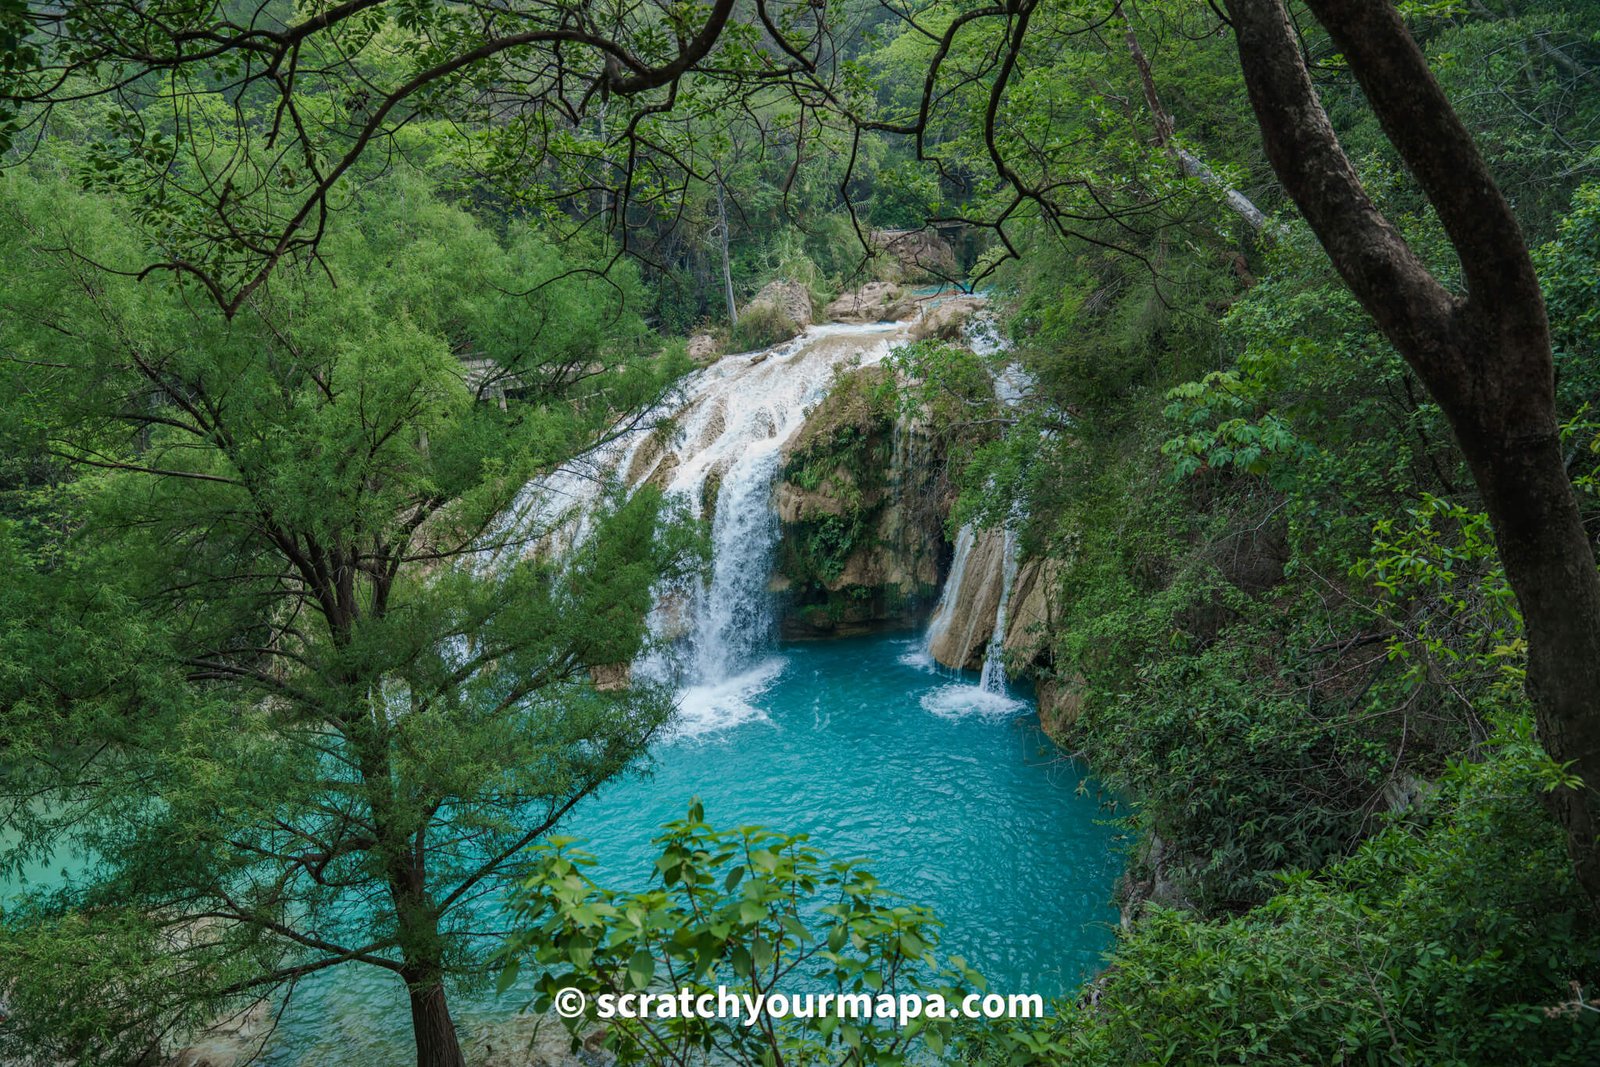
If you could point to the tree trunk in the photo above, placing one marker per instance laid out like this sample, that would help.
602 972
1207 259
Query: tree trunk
1189 164
431 1025
1485 357
399 846
727 261
421 949
1550 564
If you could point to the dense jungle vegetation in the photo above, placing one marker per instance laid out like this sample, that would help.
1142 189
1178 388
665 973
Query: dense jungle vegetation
295 299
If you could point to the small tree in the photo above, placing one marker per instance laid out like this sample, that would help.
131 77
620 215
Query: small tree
345 725
754 912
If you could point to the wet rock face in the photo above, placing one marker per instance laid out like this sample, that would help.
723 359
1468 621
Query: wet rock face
1029 622
1060 702
861 503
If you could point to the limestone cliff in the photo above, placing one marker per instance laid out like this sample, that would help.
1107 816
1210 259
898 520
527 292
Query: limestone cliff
965 623
861 500
1030 617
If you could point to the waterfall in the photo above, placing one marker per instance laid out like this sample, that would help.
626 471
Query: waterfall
966 537
993 678
996 573
988 697
739 415
734 622
717 446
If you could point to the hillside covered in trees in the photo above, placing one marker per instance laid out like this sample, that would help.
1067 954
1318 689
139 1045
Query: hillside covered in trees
1126 475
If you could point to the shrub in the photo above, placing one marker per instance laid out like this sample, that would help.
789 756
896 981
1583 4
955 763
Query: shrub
752 910
761 325
1455 936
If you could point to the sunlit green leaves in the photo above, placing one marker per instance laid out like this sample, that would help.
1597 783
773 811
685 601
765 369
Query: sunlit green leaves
753 910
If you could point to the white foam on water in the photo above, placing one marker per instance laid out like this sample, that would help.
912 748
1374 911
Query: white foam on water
958 701
917 656
714 707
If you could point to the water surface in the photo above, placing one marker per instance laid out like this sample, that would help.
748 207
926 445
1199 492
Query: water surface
952 794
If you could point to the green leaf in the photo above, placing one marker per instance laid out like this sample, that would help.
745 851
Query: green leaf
508 976
641 969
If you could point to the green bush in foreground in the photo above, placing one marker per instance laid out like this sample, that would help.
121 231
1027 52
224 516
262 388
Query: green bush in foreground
754 911
1456 936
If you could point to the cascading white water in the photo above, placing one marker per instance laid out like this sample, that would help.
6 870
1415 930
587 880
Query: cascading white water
966 537
989 695
717 445
993 677
733 621
729 424
738 416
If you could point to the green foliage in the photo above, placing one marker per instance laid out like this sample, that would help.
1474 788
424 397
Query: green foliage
238 545
1213 528
1444 593
751 909
61 967
1232 773
843 445
1455 936
1221 435
840 463
951 389
760 326
824 544
268 689
1567 269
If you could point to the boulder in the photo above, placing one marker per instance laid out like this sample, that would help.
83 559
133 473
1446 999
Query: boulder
873 302
946 319
704 347
782 310
919 254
